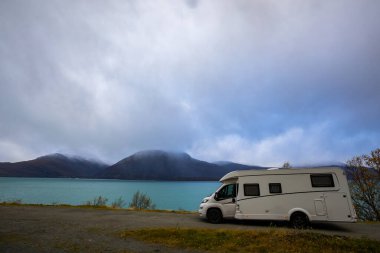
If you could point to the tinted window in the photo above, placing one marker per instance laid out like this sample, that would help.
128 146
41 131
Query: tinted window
275 188
251 190
322 180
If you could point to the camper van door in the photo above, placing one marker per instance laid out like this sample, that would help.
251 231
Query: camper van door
227 197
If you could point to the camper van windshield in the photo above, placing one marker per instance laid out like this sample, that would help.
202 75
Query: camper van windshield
228 191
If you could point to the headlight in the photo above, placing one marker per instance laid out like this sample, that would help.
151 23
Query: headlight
204 200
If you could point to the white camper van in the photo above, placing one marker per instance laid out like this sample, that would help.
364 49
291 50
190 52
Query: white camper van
296 195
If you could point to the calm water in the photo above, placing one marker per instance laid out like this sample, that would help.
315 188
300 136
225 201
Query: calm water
166 195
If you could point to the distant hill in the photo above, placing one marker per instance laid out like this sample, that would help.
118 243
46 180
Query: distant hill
161 165
53 166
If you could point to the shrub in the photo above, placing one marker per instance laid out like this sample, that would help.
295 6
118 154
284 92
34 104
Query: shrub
141 201
118 203
97 202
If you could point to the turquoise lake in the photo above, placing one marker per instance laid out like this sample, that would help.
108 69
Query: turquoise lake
164 194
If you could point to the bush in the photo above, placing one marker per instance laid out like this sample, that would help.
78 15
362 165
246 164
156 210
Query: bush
97 202
141 201
118 203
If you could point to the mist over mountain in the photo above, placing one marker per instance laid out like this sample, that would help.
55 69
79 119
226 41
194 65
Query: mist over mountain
230 166
161 165
144 165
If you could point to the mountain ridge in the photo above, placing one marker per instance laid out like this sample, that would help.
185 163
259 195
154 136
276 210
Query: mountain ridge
143 165
51 166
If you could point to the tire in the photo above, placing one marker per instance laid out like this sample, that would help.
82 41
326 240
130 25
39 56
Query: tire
299 220
214 216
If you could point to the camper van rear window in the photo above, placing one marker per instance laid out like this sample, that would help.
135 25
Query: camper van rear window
251 190
322 180
275 188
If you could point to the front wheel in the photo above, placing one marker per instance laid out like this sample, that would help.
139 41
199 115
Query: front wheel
214 216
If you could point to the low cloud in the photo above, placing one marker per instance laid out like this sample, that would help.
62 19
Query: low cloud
298 146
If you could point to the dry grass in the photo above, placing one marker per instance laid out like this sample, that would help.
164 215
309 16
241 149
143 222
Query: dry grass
273 240
19 203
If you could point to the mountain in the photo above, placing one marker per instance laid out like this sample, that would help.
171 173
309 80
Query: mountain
53 166
144 165
161 165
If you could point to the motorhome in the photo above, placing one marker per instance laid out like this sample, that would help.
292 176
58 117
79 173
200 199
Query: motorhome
299 196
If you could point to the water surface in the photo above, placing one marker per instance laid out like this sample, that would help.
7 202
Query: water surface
165 194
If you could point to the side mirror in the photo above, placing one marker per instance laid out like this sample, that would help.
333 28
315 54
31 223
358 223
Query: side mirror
216 196
233 200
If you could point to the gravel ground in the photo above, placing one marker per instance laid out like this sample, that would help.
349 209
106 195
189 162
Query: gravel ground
67 229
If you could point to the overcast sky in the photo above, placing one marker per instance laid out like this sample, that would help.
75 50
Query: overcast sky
255 82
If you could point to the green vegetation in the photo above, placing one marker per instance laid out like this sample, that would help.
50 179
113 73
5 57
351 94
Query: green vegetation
274 240
141 201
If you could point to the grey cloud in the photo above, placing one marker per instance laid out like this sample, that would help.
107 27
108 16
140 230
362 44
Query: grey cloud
110 78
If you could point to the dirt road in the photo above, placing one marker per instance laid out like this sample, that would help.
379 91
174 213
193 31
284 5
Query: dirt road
64 229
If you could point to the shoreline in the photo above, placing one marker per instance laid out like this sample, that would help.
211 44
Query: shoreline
97 207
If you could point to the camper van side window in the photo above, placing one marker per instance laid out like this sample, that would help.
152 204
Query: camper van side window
322 180
275 188
251 190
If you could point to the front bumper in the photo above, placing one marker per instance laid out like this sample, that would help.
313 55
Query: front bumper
202 211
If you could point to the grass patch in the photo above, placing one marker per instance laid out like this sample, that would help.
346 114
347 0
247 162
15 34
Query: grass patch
370 222
274 240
